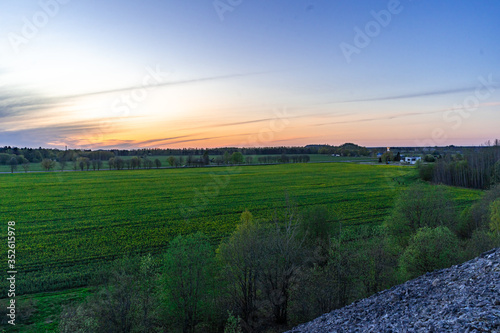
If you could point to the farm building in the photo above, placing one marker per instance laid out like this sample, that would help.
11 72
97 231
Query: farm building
412 159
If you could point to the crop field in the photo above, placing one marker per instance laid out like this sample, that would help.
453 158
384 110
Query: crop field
69 224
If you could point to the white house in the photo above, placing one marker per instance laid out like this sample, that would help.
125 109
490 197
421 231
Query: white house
412 159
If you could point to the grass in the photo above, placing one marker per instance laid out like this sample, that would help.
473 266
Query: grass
40 312
69 225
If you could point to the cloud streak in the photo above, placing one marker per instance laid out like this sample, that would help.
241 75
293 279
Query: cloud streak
400 115
414 95
159 85
22 101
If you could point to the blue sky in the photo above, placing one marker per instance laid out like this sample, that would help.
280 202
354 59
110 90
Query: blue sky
116 74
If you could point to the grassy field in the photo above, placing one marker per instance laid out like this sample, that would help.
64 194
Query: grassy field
69 225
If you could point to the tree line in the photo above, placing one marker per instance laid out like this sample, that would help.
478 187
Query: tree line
36 155
84 163
478 168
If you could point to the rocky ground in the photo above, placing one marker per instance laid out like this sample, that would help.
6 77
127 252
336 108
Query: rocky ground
463 298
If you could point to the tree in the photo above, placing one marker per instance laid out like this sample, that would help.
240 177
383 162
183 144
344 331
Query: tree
226 157
478 216
127 302
205 158
283 258
495 217
315 229
135 162
26 165
387 156
429 249
190 159
13 164
429 158
233 324
496 173
171 160
119 163
48 164
83 163
187 270
419 206
157 163
148 164
241 256
78 319
237 158
249 159
111 163
219 160
62 163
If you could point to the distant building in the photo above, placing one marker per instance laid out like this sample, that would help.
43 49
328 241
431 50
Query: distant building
412 159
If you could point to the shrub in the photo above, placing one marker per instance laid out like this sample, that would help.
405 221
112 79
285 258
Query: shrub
428 250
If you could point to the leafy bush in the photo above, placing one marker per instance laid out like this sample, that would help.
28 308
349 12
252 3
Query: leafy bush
428 250
426 171
420 206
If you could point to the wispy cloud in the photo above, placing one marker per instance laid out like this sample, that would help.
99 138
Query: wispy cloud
419 94
399 115
428 93
17 102
164 84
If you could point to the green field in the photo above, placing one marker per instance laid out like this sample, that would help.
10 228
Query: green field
70 224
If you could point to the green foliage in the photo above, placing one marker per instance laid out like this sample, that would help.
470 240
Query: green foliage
479 215
237 158
284 255
429 158
78 319
420 206
126 302
425 171
241 256
188 265
233 324
48 164
387 156
495 217
73 223
466 224
315 224
496 173
13 164
429 249
480 241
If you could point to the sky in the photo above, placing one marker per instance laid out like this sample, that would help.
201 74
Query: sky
167 74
